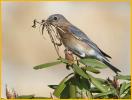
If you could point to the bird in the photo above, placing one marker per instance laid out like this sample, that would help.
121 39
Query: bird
76 41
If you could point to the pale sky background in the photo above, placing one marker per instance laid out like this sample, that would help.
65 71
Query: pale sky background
107 24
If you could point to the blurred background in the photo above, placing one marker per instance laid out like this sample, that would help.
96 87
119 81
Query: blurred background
107 24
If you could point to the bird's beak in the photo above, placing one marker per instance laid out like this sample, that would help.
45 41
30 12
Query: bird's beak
49 21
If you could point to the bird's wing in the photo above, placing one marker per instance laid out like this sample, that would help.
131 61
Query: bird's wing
77 33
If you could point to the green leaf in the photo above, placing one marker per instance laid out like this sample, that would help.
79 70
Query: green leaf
94 81
85 83
98 84
61 86
79 71
82 86
127 95
124 77
93 63
72 88
91 69
94 90
25 97
47 65
125 88
103 94
122 88
128 85
53 86
65 93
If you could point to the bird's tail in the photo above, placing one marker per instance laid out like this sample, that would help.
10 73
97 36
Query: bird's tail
111 66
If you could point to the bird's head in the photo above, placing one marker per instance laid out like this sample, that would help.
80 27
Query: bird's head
57 20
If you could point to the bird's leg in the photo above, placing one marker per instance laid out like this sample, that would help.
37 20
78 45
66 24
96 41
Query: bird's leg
69 57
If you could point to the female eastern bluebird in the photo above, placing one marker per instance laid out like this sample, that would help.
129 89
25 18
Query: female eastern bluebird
77 41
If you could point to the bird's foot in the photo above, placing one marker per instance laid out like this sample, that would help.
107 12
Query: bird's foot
69 57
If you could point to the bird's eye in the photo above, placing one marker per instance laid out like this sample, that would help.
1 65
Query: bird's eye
55 18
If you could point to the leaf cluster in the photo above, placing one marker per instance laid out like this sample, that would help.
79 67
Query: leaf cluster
81 84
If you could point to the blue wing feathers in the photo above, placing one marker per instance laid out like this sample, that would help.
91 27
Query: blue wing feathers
82 36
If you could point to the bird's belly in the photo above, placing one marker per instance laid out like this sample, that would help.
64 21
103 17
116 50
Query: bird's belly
78 47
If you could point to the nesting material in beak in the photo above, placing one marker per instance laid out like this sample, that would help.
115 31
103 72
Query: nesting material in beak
52 31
